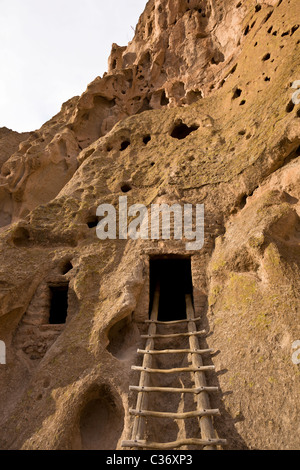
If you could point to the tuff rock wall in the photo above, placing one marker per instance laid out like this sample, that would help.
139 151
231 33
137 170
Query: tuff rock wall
224 69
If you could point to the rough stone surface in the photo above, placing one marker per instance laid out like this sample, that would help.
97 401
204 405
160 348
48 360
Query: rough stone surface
224 69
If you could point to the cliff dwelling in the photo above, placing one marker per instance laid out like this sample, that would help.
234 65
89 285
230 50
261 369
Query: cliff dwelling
130 343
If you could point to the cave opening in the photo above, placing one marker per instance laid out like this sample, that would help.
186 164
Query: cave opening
174 275
58 304
181 130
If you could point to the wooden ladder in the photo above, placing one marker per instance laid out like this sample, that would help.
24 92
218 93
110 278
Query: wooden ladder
204 412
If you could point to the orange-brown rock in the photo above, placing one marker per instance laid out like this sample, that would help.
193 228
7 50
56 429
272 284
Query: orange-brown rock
196 109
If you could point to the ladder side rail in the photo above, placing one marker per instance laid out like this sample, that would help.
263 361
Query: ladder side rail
142 398
203 401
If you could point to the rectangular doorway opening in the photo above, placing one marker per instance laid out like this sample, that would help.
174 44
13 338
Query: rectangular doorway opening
58 304
174 275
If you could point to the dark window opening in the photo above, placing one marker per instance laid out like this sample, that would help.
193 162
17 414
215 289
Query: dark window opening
58 304
181 131
124 145
175 278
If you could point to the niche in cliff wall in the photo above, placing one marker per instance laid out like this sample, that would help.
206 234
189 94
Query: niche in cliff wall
101 420
123 338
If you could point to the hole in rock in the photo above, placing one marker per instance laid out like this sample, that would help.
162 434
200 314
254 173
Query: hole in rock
247 30
21 237
175 278
257 8
67 266
124 145
217 58
298 113
123 338
294 29
92 222
164 101
125 188
267 17
181 131
101 421
242 132
243 201
266 57
267 79
290 107
58 304
146 139
242 102
237 93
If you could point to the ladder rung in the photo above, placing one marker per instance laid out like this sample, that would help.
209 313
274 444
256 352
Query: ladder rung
174 390
176 351
172 371
175 444
175 335
164 414
157 322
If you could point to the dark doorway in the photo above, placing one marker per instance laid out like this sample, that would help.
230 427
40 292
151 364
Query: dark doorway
175 278
58 304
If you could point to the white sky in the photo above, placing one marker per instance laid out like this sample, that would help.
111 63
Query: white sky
51 49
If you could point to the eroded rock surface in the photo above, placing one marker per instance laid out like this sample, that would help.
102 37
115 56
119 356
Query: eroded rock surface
196 109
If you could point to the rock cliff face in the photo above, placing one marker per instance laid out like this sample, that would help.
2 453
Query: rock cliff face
196 109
